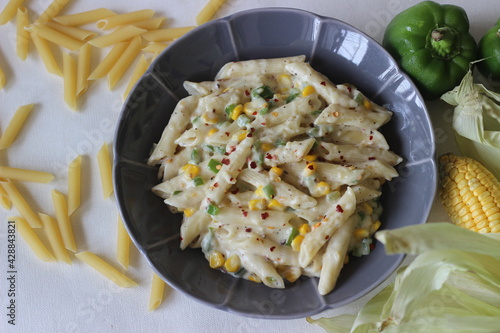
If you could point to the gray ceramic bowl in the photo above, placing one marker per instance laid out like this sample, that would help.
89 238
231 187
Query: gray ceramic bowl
333 48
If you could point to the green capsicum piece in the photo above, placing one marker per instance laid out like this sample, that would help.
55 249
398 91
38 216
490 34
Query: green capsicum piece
432 44
489 50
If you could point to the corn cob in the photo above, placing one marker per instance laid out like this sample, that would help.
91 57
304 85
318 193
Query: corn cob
470 193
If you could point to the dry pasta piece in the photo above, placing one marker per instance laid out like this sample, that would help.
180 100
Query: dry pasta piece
123 63
123 245
150 24
62 216
2 78
124 19
105 269
73 32
55 36
74 184
22 36
69 75
52 10
43 48
109 60
9 11
165 35
157 291
20 203
117 36
155 47
140 68
54 236
15 125
25 175
105 170
83 69
84 17
208 11
4 199
32 239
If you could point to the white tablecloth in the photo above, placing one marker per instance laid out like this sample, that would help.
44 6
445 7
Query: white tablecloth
52 297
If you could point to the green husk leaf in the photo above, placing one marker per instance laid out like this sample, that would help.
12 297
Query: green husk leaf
339 324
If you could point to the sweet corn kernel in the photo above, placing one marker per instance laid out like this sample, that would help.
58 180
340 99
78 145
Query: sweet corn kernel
275 205
310 158
233 263
368 208
189 212
308 90
292 274
254 278
304 229
376 225
367 104
322 188
210 117
236 112
191 170
257 204
360 233
296 242
259 191
240 135
285 80
277 171
248 109
212 131
216 259
267 146
310 169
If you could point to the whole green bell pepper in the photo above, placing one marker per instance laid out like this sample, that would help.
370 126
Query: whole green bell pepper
489 49
432 43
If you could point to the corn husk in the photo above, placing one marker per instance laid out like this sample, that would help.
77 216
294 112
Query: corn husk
476 122
453 285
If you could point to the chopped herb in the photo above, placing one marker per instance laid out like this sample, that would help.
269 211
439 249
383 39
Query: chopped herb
195 156
316 112
264 92
176 192
229 109
242 120
291 97
359 98
280 142
293 233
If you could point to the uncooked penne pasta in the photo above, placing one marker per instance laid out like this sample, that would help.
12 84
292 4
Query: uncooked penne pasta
108 61
22 36
117 36
20 203
54 236
165 35
74 184
83 69
123 245
105 269
55 36
15 125
43 48
25 175
69 75
150 24
32 239
123 63
208 11
105 170
140 68
73 32
155 47
52 10
2 78
84 17
9 11
124 19
62 216
4 199
157 291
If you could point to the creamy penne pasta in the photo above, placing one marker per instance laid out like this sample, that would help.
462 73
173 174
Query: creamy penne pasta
277 171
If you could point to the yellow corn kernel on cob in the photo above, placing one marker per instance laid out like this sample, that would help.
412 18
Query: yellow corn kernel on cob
470 193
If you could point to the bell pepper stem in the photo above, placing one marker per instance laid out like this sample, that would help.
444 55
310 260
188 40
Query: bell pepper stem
442 41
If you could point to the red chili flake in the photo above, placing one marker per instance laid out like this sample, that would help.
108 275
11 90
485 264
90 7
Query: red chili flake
263 124
248 229
311 125
341 157
264 215
252 130
372 246
227 133
310 167
272 248
216 184
327 236
249 135
371 137
253 165
254 113
245 213
276 100
339 209
269 156
247 93
236 190
349 89
182 239
231 179
225 161
323 83
231 149
371 158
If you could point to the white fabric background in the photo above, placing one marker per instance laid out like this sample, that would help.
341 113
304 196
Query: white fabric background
54 297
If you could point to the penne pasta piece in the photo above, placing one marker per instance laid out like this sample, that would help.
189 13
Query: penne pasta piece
52 10
22 35
83 69
109 60
155 47
55 36
74 184
123 245
139 70
208 11
105 269
124 19
4 199
15 125
84 17
43 49
63 220
20 203
166 35
150 24
122 64
25 175
9 11
119 35
2 78
54 236
105 170
273 66
73 32
69 76
32 239
359 117
157 291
